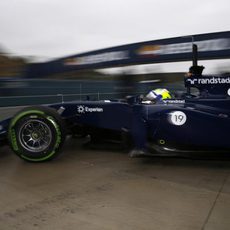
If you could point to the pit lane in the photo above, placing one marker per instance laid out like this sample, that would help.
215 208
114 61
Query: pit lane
102 188
88 189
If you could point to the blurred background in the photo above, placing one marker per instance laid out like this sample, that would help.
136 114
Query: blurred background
56 50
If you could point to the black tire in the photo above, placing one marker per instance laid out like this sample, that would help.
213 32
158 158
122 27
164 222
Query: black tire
36 133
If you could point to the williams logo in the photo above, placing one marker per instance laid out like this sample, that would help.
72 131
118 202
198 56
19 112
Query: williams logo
85 109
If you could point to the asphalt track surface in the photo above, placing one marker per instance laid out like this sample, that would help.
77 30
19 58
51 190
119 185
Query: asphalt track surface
103 189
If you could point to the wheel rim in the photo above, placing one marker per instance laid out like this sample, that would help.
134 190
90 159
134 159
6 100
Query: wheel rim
35 135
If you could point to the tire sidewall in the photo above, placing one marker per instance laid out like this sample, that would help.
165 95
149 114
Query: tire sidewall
56 135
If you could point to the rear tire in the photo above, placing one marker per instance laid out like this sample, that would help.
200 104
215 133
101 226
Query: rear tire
36 134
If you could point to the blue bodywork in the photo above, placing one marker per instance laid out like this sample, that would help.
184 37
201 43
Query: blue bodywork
193 121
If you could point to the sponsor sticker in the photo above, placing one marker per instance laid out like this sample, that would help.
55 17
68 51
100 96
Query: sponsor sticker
85 109
209 81
176 101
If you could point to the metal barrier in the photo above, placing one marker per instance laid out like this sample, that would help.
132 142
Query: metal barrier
57 98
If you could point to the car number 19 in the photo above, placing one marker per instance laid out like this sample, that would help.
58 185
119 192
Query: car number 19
177 118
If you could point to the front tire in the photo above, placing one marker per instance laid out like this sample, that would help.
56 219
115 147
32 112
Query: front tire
36 134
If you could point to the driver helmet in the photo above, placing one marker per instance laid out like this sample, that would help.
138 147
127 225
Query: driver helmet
158 94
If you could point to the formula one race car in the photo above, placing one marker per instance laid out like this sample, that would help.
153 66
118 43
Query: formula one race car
197 122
